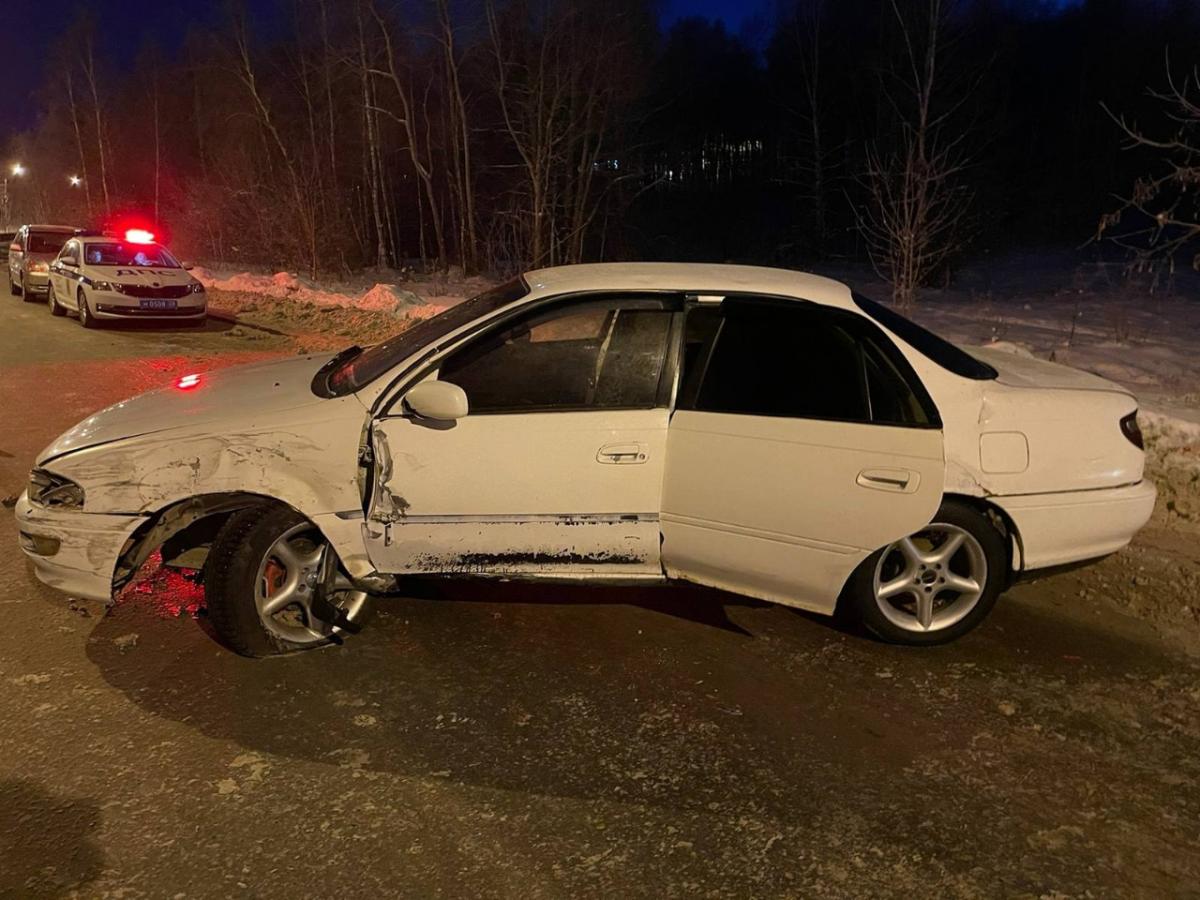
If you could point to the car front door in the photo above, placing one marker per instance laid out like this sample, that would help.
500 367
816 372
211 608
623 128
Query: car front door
557 468
802 442
62 274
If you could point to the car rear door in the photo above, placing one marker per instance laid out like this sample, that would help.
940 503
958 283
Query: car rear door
801 443
556 470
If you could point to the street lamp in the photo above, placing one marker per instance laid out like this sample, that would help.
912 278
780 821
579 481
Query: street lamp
17 170
75 180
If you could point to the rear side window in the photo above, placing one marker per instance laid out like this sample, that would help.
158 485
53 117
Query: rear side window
790 359
926 342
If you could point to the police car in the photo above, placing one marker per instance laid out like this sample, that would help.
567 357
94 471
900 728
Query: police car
106 277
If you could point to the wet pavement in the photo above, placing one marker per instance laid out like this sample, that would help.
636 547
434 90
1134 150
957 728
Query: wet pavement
518 741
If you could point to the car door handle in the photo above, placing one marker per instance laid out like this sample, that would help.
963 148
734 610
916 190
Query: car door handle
622 454
902 481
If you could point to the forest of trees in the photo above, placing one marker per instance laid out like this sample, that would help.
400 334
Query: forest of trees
496 134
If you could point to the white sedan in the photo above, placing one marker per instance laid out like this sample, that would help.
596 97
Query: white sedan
762 431
105 277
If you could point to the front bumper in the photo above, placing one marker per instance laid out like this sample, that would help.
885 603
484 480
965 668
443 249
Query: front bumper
1059 529
111 305
88 547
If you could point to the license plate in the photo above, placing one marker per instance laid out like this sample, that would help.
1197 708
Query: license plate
157 304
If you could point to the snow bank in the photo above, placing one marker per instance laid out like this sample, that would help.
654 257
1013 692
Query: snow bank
381 297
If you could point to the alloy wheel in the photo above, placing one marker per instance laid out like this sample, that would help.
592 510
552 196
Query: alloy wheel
932 579
296 574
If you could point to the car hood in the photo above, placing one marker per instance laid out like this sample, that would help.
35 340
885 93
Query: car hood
142 275
1016 370
238 392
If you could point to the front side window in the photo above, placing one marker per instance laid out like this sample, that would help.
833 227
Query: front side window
594 355
128 254
70 255
791 359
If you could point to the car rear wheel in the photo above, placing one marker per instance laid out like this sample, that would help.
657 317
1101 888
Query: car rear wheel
86 319
273 585
935 585
29 298
56 308
12 285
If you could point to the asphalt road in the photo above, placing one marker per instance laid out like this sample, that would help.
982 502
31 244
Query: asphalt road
517 741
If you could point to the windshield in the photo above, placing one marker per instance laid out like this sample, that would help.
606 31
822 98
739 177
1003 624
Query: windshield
46 241
362 368
941 351
120 254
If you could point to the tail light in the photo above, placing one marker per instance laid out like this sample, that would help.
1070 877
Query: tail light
1133 431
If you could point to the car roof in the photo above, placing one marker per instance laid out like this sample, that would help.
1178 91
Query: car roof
695 278
112 239
58 229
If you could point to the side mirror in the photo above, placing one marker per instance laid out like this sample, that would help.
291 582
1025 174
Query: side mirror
187 266
438 400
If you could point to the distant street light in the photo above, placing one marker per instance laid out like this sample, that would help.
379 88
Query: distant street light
75 180
5 208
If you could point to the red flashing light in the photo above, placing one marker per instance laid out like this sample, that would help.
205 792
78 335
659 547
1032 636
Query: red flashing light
139 236
187 382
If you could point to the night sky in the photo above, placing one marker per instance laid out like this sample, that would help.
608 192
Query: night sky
27 30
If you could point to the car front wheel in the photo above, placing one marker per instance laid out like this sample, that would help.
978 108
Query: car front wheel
935 585
86 319
56 308
273 585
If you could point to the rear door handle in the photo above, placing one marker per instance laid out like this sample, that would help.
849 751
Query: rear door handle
901 481
622 454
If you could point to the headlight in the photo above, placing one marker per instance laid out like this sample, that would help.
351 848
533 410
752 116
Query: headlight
108 286
196 287
53 491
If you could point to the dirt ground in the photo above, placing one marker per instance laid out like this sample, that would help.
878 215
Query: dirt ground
507 740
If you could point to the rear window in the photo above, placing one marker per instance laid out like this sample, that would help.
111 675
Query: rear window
46 241
926 342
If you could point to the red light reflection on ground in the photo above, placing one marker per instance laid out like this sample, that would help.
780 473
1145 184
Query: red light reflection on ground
171 593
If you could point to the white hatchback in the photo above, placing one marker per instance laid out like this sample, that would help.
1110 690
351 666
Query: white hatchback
103 277
763 431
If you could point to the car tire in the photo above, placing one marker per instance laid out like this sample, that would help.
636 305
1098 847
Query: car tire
265 554
86 319
56 308
12 285
934 586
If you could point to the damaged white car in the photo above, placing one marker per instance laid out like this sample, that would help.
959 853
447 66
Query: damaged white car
762 431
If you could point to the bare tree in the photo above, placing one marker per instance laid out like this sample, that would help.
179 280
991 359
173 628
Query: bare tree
301 201
918 205
812 168
562 72
1164 205
78 131
89 72
409 120
461 171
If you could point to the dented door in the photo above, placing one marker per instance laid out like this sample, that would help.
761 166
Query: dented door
544 493
557 468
